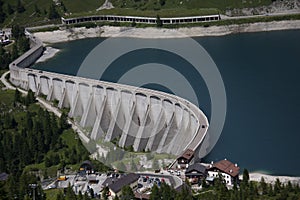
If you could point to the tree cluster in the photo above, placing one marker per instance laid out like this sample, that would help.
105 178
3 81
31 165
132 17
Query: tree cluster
8 10
19 188
31 136
20 46
27 136
69 194
168 193
53 13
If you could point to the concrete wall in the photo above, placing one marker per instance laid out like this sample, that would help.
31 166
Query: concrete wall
143 118
137 19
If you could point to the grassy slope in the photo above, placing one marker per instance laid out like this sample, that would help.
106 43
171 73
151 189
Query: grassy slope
124 7
75 6
52 194
191 4
30 18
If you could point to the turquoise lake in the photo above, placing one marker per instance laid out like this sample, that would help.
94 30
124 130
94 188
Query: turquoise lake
261 74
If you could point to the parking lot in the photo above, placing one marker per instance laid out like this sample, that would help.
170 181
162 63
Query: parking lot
146 182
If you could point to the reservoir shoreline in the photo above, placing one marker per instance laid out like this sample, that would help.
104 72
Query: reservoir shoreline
150 32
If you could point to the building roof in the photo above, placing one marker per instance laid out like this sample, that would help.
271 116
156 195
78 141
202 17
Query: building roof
227 167
141 196
121 182
108 181
196 167
88 164
187 154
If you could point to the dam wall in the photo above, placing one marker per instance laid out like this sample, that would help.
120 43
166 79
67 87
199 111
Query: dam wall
143 118
30 56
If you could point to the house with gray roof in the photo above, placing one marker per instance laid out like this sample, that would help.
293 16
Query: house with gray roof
116 186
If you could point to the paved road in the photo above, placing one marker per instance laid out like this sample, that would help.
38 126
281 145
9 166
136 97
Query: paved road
7 84
174 180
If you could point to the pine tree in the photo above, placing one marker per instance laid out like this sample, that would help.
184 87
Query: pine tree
9 9
63 122
158 21
20 7
70 195
53 14
277 186
17 96
162 2
23 44
166 191
60 196
63 6
263 186
14 52
17 31
92 192
2 14
105 193
155 193
245 176
36 9
127 193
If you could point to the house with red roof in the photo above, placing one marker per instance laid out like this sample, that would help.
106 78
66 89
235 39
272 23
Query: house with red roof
227 169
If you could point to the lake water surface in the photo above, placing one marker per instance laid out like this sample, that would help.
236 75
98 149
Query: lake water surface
261 75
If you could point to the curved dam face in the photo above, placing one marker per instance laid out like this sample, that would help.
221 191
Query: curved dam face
145 119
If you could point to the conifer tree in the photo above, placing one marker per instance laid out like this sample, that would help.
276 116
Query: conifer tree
20 7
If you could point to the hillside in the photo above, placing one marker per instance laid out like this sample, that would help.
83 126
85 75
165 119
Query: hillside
39 12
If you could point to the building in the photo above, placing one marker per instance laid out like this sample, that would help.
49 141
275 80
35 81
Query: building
87 166
227 169
137 19
116 186
195 173
184 160
5 35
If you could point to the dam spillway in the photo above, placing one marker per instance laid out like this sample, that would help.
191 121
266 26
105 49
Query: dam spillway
143 118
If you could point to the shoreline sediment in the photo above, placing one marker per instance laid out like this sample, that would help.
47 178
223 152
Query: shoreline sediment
151 32
256 176
47 54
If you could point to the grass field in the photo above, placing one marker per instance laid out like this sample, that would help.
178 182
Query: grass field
52 194
190 4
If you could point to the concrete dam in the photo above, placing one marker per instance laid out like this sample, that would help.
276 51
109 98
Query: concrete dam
144 118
